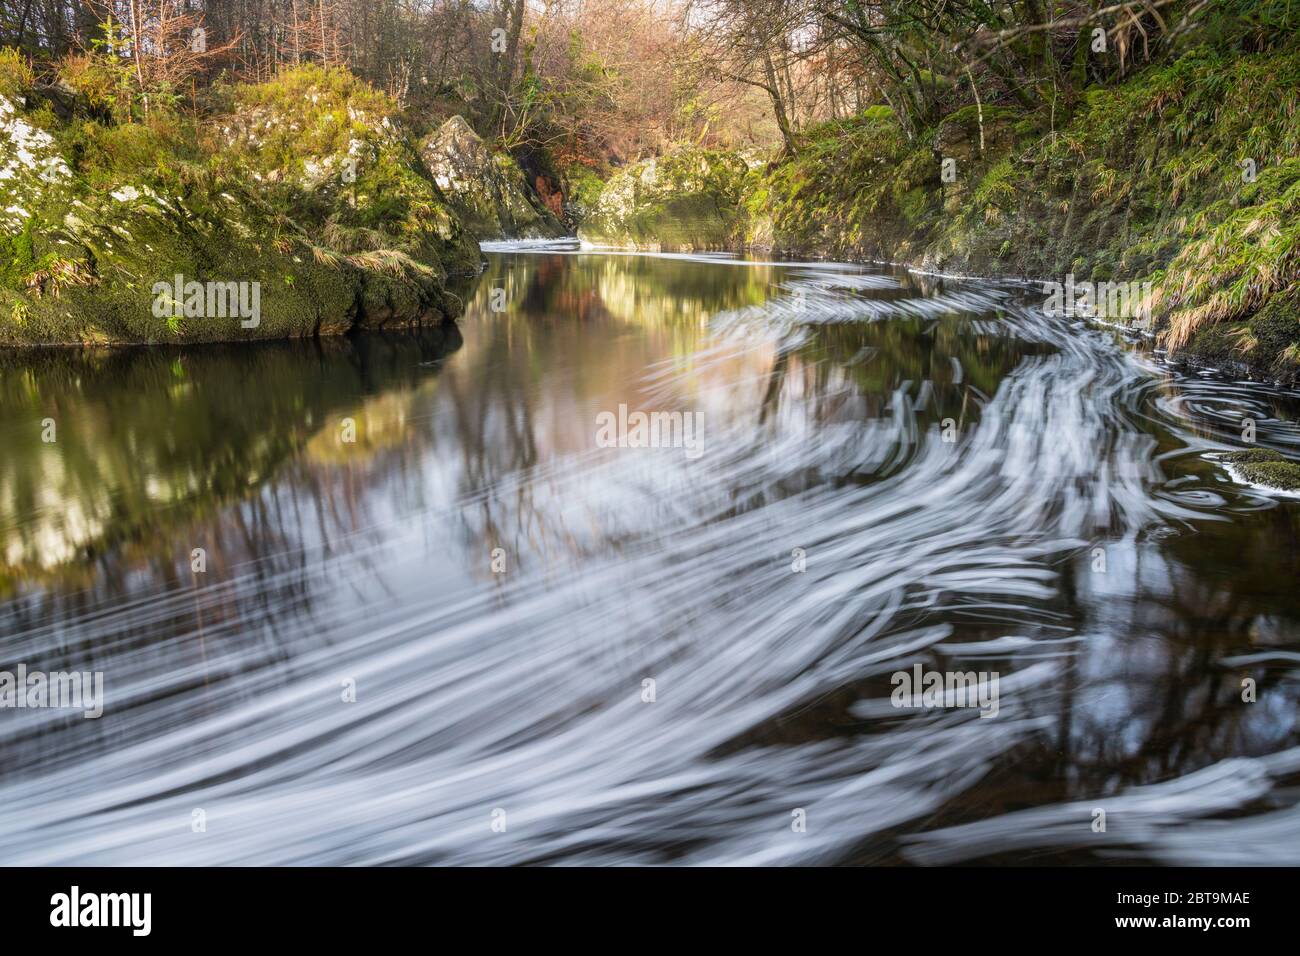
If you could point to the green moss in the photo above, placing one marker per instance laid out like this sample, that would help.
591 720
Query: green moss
329 150
1267 344
1275 474
853 188
1216 346
17 257
1251 456
1274 332
583 186
1264 466
688 199
143 202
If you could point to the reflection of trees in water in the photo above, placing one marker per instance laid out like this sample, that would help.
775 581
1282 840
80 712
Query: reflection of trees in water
578 333
850 371
1146 697
643 291
266 588
145 612
1181 709
236 418
1216 590
148 439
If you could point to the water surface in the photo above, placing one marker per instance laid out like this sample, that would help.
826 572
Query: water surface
962 482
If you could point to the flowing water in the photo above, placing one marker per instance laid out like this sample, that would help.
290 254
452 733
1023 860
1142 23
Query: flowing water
474 635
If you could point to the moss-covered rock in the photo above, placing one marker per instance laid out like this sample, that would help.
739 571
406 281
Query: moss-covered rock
1216 346
689 199
106 253
857 188
332 150
1251 456
1273 335
1263 466
582 189
1284 475
101 214
488 190
1267 345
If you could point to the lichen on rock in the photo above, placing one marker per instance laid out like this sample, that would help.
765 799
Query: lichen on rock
487 189
317 202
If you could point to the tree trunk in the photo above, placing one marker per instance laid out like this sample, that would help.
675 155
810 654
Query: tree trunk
778 105
136 27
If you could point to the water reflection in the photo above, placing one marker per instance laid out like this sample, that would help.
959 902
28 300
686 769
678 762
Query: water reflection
947 459
144 438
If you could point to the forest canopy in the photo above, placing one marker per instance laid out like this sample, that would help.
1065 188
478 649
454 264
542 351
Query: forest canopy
600 81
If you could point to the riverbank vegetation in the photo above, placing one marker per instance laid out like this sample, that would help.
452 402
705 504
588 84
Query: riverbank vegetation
1144 143
303 185
347 155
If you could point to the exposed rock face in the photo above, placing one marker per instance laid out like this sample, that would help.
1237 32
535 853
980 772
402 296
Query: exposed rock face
305 214
689 199
331 148
488 190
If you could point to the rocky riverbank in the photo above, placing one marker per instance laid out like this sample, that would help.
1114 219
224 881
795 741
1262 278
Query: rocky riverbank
1181 183
297 207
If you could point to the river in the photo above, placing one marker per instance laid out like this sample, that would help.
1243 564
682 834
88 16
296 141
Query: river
387 600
